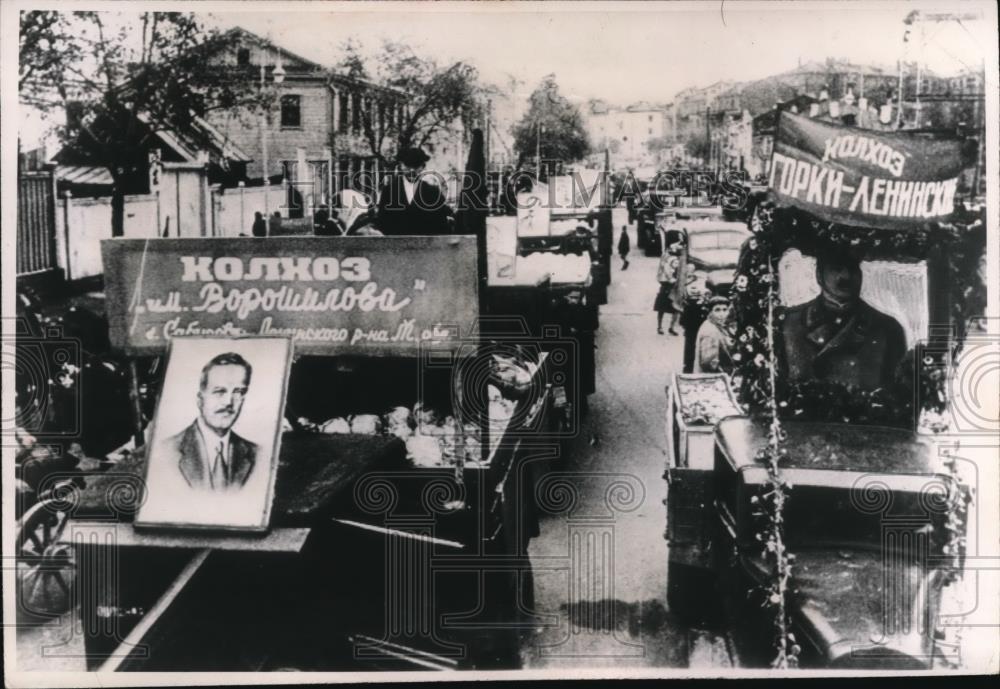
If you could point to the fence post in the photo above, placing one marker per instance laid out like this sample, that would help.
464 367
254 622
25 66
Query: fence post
67 208
215 198
329 178
243 192
159 213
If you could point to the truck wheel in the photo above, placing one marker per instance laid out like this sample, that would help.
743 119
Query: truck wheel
692 594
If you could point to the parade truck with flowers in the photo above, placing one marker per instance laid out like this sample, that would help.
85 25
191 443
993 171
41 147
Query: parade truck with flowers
810 510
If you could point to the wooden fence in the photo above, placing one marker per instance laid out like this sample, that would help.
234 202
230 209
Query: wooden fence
36 229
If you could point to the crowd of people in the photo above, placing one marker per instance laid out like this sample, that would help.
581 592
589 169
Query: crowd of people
408 202
707 320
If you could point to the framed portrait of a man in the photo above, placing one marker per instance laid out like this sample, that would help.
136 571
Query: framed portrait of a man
212 458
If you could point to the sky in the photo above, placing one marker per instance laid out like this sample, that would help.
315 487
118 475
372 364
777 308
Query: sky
618 52
630 51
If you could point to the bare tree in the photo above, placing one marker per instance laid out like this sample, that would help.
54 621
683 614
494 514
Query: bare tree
436 97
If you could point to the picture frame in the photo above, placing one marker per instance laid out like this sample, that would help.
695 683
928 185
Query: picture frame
213 452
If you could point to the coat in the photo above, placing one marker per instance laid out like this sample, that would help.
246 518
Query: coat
188 450
713 353
624 244
426 214
863 351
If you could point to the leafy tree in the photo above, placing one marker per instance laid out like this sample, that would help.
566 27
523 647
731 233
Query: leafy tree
124 77
611 143
659 143
699 146
556 122
437 96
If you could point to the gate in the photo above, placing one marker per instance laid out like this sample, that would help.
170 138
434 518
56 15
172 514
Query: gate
36 222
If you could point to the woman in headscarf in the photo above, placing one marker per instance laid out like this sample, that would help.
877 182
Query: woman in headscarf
668 273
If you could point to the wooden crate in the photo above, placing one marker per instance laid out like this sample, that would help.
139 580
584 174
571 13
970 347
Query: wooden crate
690 429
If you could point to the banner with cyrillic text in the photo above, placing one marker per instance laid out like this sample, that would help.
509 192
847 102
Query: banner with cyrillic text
384 296
888 180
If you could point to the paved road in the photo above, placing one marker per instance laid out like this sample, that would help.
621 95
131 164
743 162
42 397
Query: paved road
601 566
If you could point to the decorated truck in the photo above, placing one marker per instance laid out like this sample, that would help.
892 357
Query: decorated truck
810 511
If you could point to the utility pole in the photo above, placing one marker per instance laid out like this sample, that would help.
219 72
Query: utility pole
708 131
489 112
918 17
538 150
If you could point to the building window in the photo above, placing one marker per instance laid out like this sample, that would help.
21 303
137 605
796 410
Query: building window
343 100
291 111
243 57
650 119
355 112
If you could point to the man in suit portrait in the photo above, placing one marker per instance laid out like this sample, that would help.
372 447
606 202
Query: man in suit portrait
411 202
209 455
837 336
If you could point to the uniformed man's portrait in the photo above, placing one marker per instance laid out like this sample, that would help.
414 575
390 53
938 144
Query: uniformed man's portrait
838 336
213 451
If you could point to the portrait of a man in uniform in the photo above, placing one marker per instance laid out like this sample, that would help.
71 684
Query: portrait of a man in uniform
839 337
208 453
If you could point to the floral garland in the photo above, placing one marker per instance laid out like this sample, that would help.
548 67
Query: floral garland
770 507
777 230
754 295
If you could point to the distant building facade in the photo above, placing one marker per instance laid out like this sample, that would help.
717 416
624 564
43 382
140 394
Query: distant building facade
626 132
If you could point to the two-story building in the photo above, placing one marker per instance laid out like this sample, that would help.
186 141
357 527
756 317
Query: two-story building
319 128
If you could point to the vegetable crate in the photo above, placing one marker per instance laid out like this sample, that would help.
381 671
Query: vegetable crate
696 402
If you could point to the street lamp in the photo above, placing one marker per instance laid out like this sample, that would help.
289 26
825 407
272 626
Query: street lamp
279 76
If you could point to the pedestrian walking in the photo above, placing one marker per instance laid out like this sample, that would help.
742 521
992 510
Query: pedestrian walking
259 228
667 299
624 246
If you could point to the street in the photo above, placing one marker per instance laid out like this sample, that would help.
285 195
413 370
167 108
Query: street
600 566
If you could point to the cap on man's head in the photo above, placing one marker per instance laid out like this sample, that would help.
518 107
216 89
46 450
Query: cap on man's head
413 157
836 256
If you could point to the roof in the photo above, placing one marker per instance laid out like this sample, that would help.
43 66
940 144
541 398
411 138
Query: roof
84 174
284 52
644 106
190 144
341 79
835 66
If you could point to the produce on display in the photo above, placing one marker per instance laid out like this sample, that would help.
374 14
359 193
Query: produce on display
437 439
560 268
711 400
